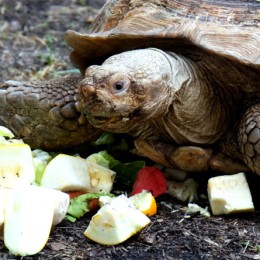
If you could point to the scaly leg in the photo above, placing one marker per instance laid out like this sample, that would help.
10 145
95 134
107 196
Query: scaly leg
44 113
249 137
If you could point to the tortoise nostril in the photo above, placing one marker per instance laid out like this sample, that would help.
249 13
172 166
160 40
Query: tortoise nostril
87 90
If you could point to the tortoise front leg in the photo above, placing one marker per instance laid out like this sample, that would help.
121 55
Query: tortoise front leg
45 113
188 158
249 137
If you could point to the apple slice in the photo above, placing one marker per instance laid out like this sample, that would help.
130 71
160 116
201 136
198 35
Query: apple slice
16 165
229 194
101 178
28 220
115 222
66 173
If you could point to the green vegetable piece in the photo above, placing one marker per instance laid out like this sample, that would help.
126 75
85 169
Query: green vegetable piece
40 160
103 159
125 172
105 138
79 206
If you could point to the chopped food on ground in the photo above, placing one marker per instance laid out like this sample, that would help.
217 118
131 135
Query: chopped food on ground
229 194
183 190
115 222
145 202
66 173
16 165
150 179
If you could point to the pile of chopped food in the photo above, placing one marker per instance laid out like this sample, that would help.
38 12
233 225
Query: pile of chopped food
39 189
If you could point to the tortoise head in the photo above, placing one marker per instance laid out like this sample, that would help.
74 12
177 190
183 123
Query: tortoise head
126 90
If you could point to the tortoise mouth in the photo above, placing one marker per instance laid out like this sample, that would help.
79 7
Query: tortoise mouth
101 119
114 122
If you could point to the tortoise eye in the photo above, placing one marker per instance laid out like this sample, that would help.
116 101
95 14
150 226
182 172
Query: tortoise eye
118 86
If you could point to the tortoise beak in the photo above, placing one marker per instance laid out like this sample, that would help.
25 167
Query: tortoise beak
86 89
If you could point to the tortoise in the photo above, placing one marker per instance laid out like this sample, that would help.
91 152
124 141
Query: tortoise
181 77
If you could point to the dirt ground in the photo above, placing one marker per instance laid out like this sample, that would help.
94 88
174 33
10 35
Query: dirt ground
32 47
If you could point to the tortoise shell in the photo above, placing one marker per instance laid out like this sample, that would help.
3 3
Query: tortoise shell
222 27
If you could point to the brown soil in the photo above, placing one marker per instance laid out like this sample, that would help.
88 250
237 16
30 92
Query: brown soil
32 46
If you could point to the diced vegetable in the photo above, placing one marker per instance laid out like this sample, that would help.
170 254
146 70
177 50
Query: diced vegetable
40 160
229 194
66 173
81 205
16 165
183 190
28 220
101 178
5 132
2 208
29 214
145 202
150 179
115 222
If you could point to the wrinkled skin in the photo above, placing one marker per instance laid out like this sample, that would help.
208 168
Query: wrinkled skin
120 94
166 97
129 94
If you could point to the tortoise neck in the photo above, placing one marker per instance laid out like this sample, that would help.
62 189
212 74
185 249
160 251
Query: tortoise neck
196 114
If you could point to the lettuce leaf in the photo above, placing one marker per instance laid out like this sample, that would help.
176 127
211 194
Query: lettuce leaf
125 172
79 206
40 160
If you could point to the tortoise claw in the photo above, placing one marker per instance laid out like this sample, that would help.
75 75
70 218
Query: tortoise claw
188 158
156 151
185 158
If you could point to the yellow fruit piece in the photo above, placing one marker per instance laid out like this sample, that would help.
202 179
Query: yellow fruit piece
115 222
101 178
28 220
145 202
2 211
16 165
66 173
70 173
229 194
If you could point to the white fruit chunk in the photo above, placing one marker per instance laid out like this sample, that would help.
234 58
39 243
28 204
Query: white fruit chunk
28 220
6 132
229 194
66 173
2 211
16 165
183 190
60 200
2 206
61 204
115 222
101 178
